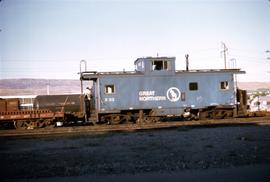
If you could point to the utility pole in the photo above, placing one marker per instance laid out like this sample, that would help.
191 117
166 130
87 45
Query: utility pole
268 57
82 103
258 102
224 51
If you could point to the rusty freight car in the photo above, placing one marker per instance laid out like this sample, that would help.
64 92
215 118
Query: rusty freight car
10 113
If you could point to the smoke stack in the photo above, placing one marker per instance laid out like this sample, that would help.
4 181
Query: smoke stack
187 62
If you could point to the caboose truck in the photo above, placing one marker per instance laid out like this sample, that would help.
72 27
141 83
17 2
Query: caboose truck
156 90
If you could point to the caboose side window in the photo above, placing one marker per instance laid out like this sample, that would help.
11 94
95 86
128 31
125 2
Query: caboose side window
109 89
224 85
165 64
193 86
160 65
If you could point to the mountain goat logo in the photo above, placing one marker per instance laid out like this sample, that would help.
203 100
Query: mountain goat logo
173 94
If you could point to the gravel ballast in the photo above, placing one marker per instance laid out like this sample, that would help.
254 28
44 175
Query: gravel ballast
155 152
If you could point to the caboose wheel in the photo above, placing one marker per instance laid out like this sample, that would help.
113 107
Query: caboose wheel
116 118
203 115
148 119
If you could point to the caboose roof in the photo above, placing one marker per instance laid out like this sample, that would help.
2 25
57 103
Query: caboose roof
234 71
93 75
144 67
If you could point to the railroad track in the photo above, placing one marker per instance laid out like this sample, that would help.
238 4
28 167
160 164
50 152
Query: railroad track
132 127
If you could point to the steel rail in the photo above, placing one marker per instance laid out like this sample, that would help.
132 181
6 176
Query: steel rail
97 129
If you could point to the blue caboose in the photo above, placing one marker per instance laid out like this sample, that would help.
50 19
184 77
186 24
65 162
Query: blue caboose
155 90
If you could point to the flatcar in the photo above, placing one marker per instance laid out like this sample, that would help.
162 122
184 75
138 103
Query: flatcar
11 113
156 90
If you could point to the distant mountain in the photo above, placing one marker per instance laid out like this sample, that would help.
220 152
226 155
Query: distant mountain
33 83
38 86
14 87
253 85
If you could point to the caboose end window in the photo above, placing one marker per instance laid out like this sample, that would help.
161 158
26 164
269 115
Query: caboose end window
109 89
224 85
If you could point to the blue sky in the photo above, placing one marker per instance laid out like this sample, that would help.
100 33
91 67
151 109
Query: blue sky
48 38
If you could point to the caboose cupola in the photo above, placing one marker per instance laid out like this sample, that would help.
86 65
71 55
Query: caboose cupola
155 65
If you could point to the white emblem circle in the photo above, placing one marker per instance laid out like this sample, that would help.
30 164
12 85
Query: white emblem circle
173 94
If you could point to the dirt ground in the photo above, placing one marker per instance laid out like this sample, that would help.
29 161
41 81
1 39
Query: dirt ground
239 153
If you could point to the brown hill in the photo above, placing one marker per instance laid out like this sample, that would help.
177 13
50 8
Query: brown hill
253 85
38 87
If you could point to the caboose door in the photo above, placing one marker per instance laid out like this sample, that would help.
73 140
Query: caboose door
93 103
